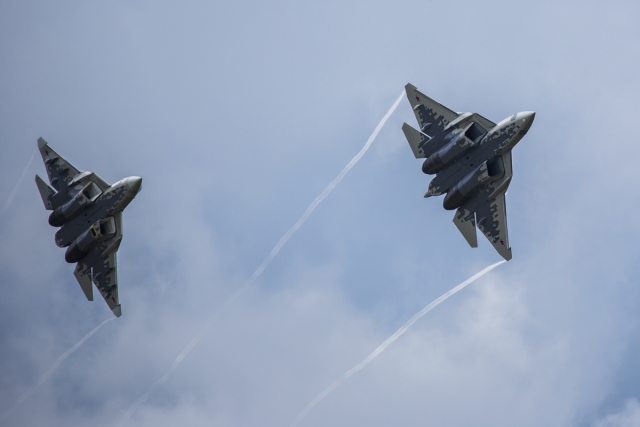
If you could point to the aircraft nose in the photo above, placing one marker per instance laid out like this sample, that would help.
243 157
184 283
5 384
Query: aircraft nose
527 120
134 183
528 117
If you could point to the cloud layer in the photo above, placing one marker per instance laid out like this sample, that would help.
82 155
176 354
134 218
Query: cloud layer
237 115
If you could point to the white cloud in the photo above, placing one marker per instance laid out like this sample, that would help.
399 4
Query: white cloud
236 121
629 416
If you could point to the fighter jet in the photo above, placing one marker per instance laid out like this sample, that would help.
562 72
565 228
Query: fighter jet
470 157
89 213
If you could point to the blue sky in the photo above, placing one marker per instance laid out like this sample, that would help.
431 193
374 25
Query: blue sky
237 115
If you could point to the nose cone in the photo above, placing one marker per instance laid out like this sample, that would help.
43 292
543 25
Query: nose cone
134 184
527 117
525 120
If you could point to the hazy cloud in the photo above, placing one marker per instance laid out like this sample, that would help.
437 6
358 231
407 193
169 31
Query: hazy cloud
237 115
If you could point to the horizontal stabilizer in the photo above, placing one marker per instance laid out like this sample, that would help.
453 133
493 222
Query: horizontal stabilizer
466 223
46 192
84 279
416 140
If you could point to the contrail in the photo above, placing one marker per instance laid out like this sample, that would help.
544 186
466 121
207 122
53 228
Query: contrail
325 192
266 262
57 363
15 189
390 340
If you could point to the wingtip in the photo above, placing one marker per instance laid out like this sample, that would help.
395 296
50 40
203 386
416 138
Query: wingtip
118 310
41 142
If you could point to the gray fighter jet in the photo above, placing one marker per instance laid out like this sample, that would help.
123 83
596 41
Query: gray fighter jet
471 158
89 212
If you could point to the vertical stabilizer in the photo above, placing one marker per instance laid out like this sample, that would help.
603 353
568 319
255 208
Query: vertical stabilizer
416 140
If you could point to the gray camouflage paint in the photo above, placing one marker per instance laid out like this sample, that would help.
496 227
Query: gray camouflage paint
91 228
467 180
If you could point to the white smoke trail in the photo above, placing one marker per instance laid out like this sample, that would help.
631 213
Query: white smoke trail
57 363
390 340
325 192
266 262
17 187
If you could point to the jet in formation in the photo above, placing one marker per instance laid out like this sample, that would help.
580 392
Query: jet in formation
88 211
470 157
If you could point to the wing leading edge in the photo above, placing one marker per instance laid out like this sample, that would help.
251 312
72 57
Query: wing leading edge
488 212
63 176
100 268
492 221
432 116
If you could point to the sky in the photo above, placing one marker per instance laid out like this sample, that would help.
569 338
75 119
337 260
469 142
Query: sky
237 115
